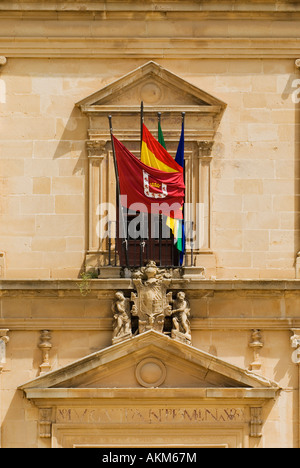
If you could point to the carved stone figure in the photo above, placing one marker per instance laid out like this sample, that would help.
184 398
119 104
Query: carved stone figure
180 318
152 303
121 314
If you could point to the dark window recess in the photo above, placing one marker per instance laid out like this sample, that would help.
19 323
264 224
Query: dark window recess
146 237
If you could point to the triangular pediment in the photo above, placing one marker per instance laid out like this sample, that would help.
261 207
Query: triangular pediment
150 359
155 86
160 90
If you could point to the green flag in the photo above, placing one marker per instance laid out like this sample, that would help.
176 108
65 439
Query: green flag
161 136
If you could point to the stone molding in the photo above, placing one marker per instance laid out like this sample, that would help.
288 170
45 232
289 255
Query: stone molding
105 324
150 48
239 7
106 288
57 287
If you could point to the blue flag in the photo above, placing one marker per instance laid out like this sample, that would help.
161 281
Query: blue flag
180 160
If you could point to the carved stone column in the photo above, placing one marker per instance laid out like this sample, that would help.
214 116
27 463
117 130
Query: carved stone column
204 195
96 155
45 345
4 339
295 343
256 344
297 263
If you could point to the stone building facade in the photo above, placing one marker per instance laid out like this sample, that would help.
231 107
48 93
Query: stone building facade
69 377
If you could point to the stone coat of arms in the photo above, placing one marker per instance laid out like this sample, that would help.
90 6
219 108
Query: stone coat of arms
152 302
151 305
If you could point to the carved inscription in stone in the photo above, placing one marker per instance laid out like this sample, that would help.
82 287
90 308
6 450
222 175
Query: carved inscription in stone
157 415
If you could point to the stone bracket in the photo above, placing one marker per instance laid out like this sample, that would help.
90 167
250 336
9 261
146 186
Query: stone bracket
256 421
45 422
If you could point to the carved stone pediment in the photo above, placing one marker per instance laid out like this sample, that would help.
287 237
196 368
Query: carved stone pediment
152 84
144 388
150 359
161 91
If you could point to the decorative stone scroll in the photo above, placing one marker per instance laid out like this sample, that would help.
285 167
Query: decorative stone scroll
153 307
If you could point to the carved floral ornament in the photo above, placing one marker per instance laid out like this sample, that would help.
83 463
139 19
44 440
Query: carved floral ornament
151 307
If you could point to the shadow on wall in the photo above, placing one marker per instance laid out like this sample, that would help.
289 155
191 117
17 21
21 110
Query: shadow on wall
71 145
72 156
292 92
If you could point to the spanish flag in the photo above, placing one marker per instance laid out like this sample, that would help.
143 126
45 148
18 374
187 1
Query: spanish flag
153 154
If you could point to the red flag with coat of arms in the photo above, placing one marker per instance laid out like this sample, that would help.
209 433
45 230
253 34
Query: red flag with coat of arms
154 190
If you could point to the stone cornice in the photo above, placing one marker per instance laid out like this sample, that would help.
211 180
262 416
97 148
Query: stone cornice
150 48
59 395
114 283
211 6
279 290
64 285
105 324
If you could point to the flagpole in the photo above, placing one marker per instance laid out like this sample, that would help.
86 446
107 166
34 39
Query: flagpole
118 190
182 120
183 253
142 121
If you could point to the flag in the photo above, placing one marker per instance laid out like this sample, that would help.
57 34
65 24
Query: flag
155 190
180 160
161 139
153 154
177 225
